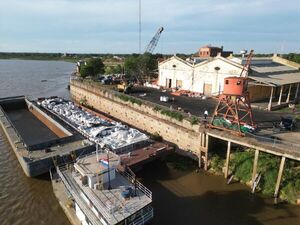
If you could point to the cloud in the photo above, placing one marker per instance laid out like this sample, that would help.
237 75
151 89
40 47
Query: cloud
113 25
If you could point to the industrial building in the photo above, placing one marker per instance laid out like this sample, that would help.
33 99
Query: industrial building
211 51
273 80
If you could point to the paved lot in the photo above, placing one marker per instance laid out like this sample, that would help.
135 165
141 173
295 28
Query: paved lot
196 106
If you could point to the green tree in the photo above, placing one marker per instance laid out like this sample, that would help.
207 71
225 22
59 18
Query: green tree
139 66
93 67
113 69
86 70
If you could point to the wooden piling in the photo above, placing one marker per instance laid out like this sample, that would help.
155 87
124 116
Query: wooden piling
279 176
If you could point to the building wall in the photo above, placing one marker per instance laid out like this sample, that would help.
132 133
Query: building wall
213 73
195 78
177 71
257 93
144 117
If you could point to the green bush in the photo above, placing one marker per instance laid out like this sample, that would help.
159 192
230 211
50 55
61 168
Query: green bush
290 185
217 164
156 137
182 163
194 120
157 108
127 98
173 114
242 165
268 166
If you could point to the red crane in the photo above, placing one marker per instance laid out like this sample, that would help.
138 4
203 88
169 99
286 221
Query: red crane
233 111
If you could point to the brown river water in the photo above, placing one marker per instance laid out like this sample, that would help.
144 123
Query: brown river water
179 198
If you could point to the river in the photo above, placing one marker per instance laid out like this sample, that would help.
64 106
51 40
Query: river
179 197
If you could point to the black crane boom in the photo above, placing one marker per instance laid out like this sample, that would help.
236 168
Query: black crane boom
153 43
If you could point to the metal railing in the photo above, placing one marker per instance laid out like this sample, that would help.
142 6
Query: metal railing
144 218
138 184
75 192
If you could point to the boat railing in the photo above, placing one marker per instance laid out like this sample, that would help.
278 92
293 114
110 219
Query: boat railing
144 218
101 151
75 192
139 185
93 201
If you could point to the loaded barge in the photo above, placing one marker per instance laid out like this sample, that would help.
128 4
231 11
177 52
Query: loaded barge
39 140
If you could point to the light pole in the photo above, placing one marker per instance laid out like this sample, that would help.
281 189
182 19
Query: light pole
140 26
109 186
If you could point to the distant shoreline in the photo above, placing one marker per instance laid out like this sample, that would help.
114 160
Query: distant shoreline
40 59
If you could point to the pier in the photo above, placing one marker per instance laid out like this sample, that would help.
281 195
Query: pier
193 140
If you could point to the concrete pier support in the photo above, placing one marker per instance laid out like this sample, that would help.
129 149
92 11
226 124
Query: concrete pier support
206 153
254 171
279 176
289 94
203 151
296 94
227 159
280 96
271 98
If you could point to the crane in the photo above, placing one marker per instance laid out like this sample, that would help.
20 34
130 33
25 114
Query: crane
153 43
234 112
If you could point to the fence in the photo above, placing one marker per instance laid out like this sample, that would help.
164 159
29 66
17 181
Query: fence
144 217
138 184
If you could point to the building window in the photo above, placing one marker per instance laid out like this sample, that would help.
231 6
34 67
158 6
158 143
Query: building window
226 81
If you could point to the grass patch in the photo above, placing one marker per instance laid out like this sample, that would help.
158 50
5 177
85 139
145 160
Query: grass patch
173 114
157 108
127 98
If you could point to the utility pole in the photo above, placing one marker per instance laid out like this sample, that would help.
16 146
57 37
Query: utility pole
140 26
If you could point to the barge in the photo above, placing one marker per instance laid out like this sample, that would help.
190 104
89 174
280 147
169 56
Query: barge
134 147
39 140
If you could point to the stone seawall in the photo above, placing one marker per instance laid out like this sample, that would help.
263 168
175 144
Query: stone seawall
186 136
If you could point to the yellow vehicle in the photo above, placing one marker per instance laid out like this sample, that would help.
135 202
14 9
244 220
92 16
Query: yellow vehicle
125 86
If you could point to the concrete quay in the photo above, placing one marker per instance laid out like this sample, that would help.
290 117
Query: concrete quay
194 140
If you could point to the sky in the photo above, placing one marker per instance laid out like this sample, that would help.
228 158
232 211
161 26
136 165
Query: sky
111 26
